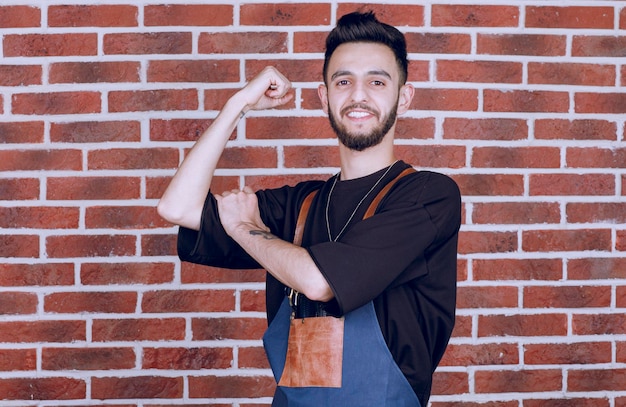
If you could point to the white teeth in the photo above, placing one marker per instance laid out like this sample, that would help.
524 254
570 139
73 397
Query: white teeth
358 115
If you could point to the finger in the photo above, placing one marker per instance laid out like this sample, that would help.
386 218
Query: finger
248 190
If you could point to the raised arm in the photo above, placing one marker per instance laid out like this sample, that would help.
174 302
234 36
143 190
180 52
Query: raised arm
184 197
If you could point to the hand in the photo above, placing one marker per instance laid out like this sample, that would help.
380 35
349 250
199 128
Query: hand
239 210
267 90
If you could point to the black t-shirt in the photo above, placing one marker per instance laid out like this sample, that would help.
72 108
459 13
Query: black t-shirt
403 258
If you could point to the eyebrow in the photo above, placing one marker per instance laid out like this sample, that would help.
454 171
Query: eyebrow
376 72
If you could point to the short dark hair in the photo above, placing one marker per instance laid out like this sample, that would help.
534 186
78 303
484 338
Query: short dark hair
365 27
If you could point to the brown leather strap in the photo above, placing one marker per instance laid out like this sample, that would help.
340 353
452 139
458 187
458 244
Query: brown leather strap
304 211
306 205
374 205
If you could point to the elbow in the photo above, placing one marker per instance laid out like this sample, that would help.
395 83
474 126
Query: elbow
320 292
169 212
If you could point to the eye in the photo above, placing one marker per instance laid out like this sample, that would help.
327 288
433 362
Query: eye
342 82
377 82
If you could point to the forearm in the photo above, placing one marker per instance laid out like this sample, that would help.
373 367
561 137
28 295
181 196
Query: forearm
290 264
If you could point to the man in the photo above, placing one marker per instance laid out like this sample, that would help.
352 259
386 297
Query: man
374 256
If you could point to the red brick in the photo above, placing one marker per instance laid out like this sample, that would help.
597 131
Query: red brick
248 157
568 401
571 74
19 245
621 240
92 16
137 387
62 331
479 71
487 242
311 156
600 102
462 327
309 41
515 213
581 129
40 160
99 302
579 380
476 404
599 324
123 217
486 297
143 329
18 303
94 72
474 16
207 329
173 43
525 101
447 383
567 297
49 45
566 240
399 15
45 274
88 188
481 355
178 129
194 273
243 43
18 359
126 273
150 100
569 17
133 158
204 71
600 212
490 184
410 128
91 358
158 245
277 181
438 43
522 325
42 388
518 381
516 157
56 103
95 131
288 128
314 14
21 132
252 357
231 386
596 268
20 16
567 353
599 46
445 99
252 300
521 44
34 217
442 156
90 246
20 75
301 70
572 184
485 129
187 358
188 15
188 301
517 269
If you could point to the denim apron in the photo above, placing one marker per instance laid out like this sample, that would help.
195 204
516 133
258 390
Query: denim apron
370 376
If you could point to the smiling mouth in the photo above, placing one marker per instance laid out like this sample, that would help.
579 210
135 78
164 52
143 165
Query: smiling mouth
358 112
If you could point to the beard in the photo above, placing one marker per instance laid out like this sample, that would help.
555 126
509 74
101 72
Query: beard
360 141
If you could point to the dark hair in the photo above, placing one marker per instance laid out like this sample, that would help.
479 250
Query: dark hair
365 27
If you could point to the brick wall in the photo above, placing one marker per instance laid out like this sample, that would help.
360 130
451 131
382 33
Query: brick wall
523 103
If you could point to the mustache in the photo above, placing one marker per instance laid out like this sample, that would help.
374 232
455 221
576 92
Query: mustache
360 106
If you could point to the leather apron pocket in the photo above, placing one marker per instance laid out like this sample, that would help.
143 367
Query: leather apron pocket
314 353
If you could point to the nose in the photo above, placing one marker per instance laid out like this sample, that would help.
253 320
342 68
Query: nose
359 93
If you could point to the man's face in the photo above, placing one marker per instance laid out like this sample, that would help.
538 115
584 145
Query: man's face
362 94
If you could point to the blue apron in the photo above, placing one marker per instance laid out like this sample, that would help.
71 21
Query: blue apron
370 376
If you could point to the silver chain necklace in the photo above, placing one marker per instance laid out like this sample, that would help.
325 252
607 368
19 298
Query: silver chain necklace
332 188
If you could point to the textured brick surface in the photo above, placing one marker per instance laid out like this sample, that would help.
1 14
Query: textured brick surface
523 104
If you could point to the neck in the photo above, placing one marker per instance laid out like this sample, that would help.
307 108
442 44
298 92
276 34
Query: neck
357 164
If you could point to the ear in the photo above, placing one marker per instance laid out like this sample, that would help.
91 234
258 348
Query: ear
322 92
405 97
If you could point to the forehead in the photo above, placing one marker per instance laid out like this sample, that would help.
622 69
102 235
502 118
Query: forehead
363 57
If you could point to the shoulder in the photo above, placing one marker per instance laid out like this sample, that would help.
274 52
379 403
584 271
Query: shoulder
426 185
